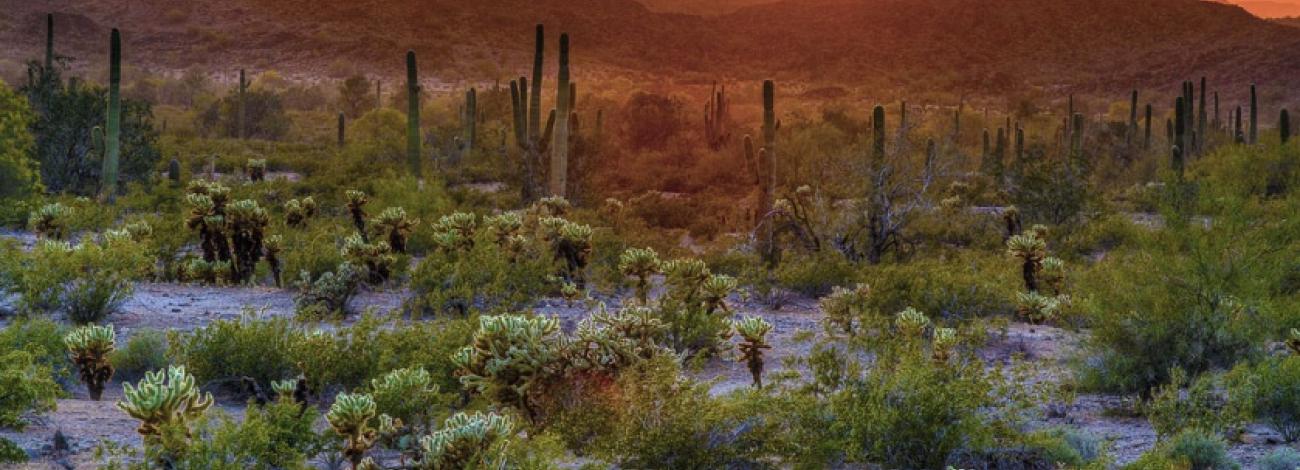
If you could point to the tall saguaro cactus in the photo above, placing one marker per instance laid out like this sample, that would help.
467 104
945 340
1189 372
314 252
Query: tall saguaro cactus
1146 138
471 118
715 118
1284 126
112 137
877 139
533 139
764 168
1254 116
412 114
243 107
49 42
563 103
1132 117
1180 134
342 129
1202 121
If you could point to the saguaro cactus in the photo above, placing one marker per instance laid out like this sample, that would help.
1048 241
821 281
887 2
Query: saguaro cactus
1146 139
877 138
1132 117
174 171
112 137
243 108
560 146
1284 126
767 170
1238 134
1202 120
1254 116
471 118
413 140
49 42
715 118
1180 134
342 129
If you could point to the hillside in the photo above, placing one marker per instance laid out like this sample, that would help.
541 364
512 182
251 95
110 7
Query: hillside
973 46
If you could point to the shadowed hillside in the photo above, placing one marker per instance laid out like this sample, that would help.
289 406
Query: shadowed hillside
972 46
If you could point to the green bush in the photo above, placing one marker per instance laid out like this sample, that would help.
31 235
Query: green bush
1193 299
228 350
41 338
483 270
969 286
1269 390
1285 458
815 274
145 351
28 388
87 281
20 176
1199 403
1204 451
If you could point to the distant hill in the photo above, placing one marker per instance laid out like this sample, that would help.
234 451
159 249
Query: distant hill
971 46
700 7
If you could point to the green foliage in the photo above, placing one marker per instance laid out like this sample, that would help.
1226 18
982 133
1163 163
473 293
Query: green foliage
1268 390
328 295
408 395
969 286
1285 458
278 435
42 339
145 350
1192 448
844 307
66 112
816 274
20 176
697 318
230 349
86 281
265 116
491 266
29 388
1202 405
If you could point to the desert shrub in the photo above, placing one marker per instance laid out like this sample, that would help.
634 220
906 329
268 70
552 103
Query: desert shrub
815 274
1194 403
1285 458
1257 171
264 114
86 281
694 307
42 339
494 265
228 350
659 420
278 435
145 351
1100 235
28 388
1195 299
965 287
1268 389
914 414
20 176
1049 190
1193 448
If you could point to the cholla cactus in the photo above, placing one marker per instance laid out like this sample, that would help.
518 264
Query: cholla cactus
1011 218
1052 272
273 245
298 211
952 203
1030 250
50 221
640 263
842 306
455 232
573 247
199 270
357 207
508 355
598 348
138 231
89 347
468 441
1037 308
753 333
504 226
255 168
1039 230
408 395
911 323
554 206
377 257
639 324
328 294
350 417
686 274
945 340
395 223
714 292
571 293
163 398
247 223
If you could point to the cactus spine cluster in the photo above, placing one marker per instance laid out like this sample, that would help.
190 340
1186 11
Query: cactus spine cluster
413 141
112 138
